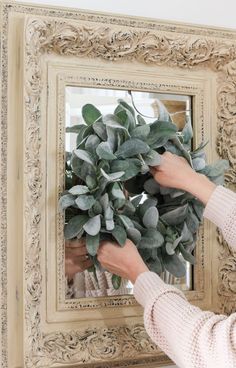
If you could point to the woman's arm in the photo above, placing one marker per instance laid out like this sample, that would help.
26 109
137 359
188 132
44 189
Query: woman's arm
175 172
190 337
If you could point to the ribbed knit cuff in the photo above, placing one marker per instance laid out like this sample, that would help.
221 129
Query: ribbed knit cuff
149 286
219 205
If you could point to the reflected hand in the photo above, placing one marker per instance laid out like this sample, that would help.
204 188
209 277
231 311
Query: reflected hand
122 261
76 257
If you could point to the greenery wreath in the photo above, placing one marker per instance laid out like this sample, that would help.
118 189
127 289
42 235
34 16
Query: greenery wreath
107 175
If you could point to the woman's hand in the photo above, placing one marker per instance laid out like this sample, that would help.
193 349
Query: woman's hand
122 261
76 257
175 172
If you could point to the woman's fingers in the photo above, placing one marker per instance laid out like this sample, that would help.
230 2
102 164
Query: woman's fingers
75 243
74 252
87 264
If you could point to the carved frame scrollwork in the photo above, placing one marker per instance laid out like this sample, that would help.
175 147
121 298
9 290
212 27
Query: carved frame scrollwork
114 39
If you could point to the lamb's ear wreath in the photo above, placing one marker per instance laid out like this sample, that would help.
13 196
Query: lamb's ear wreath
107 174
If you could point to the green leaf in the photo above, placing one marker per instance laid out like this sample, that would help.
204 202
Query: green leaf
198 163
192 221
92 244
198 209
152 158
113 121
173 265
119 165
78 189
91 182
151 186
133 169
117 192
161 130
126 221
112 138
131 148
134 235
85 156
112 176
76 164
119 203
151 217
90 114
125 116
75 226
150 202
80 136
187 256
100 129
104 151
153 238
170 247
136 200
141 120
66 201
163 113
93 226
97 208
75 128
109 214
141 132
116 281
87 169
83 136
187 132
151 242
85 202
156 266
104 200
92 142
119 234
176 216
182 149
186 234
126 106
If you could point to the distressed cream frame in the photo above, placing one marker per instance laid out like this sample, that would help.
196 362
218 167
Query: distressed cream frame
42 50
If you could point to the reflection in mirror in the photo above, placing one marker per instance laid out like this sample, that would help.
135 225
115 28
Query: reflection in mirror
80 281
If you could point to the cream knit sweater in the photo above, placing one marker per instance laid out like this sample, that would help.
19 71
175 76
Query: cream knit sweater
190 337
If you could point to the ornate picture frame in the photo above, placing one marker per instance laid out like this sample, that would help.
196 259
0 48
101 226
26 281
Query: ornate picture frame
34 39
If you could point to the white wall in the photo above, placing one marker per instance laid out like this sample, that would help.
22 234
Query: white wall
209 12
206 12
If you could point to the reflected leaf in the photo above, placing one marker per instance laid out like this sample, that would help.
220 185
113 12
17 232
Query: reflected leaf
131 148
66 201
119 234
78 189
75 226
92 244
174 265
104 151
151 217
85 202
93 225
90 114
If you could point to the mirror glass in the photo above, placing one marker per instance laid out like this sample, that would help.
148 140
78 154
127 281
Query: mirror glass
84 283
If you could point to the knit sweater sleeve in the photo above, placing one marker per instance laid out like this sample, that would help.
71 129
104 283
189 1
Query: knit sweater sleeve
191 337
221 210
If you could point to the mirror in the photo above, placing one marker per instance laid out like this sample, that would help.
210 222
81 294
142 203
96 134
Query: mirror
89 284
